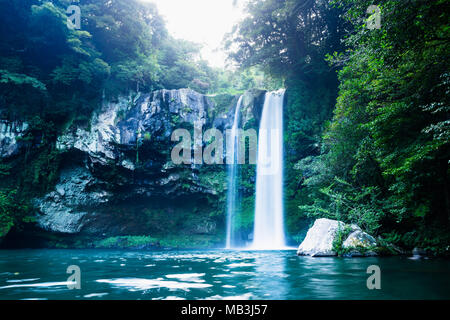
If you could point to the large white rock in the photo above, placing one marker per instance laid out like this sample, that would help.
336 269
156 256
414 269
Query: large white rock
319 239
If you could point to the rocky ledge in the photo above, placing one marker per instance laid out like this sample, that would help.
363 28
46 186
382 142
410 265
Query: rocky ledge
328 236
116 176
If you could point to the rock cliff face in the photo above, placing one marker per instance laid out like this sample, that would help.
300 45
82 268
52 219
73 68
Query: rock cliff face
117 176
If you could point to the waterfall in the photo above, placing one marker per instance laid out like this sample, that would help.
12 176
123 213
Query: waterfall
269 225
232 196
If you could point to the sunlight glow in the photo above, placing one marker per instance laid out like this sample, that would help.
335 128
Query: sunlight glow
202 21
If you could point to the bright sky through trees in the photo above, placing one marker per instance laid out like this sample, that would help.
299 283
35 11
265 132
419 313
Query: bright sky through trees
201 21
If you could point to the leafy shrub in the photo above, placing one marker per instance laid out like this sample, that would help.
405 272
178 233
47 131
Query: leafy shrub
126 242
13 210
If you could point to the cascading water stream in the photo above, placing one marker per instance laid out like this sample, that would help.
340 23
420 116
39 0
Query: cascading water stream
269 218
232 196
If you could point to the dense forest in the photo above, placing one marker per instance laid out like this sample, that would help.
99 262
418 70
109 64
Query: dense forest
368 127
366 119
66 73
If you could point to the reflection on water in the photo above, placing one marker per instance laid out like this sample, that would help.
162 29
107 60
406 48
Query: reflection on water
215 274
271 274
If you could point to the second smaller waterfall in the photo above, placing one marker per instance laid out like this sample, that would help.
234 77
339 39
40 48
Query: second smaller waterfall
232 196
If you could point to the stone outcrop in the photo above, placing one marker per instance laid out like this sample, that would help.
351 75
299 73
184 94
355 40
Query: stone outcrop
359 243
116 175
251 106
130 121
64 209
124 167
320 237
10 134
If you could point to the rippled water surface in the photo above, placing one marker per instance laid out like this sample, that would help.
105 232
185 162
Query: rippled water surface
215 274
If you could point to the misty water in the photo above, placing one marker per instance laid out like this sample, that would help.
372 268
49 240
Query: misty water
269 224
215 274
233 194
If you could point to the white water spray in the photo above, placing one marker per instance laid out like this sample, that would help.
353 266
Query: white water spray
269 217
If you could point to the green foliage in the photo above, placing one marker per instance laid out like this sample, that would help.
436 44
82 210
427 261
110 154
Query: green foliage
122 46
338 241
237 81
28 175
382 160
147 136
288 40
126 242
213 178
369 145
5 169
40 167
223 103
17 79
385 153
189 242
286 37
344 202
13 210
245 214
164 241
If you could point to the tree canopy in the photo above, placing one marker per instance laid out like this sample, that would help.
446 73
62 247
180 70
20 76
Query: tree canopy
376 154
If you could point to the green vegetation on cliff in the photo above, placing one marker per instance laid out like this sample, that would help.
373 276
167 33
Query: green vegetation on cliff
370 146
53 77
366 115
